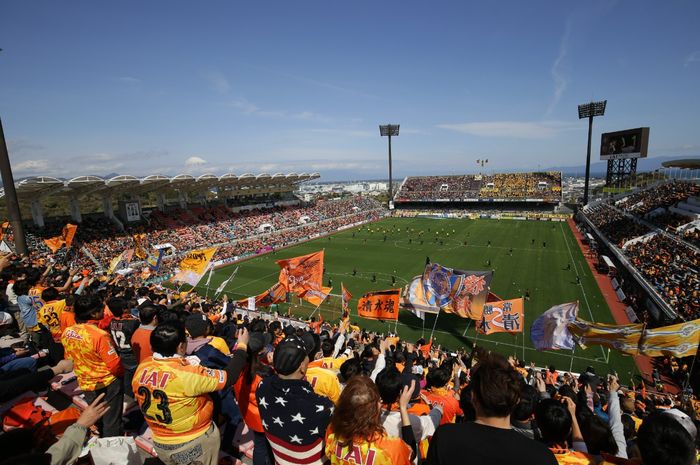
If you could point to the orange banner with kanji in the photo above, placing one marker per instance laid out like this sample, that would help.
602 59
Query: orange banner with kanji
139 249
66 238
303 273
380 305
505 316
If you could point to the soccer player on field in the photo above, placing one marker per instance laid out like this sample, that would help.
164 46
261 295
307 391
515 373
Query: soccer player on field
173 394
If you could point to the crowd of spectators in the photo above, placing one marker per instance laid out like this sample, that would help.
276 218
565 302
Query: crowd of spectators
204 374
615 225
510 186
673 269
201 227
669 264
647 200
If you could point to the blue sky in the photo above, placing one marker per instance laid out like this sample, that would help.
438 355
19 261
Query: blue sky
221 86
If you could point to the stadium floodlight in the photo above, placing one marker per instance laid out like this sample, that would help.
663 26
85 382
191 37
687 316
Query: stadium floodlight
388 130
13 211
589 110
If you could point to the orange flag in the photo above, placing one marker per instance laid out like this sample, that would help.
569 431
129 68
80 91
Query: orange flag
425 349
380 305
506 316
66 238
315 297
276 294
303 273
345 297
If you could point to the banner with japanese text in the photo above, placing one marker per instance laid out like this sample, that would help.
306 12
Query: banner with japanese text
380 305
506 316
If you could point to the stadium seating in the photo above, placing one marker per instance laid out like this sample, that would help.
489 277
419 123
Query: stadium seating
199 227
545 186
669 264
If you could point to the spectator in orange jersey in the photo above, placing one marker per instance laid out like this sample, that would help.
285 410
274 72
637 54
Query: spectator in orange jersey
96 362
174 396
438 392
356 434
141 339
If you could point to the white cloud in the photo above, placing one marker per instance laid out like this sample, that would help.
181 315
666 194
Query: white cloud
195 161
692 58
561 81
511 129
31 166
250 108
217 81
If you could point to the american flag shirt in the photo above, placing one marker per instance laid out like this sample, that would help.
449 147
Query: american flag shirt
294 419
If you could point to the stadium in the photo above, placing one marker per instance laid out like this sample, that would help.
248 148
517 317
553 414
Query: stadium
237 298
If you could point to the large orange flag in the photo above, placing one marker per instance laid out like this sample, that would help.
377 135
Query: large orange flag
506 316
303 273
66 238
380 305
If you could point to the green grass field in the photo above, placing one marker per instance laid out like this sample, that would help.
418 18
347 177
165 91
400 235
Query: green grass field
542 270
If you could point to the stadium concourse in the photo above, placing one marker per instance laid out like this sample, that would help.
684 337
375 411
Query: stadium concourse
92 353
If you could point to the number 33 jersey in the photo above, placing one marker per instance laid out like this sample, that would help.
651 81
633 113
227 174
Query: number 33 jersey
174 397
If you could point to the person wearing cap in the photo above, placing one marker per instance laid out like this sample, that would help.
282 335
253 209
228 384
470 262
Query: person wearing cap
173 393
664 440
293 416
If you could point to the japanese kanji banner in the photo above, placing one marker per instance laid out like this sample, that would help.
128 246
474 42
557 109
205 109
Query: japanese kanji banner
623 338
505 316
303 273
680 340
380 305
193 266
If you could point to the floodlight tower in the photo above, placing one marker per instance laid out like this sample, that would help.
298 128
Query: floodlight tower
589 110
389 130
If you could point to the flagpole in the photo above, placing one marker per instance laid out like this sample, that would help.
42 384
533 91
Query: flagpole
396 326
422 334
523 341
469 322
434 324
571 364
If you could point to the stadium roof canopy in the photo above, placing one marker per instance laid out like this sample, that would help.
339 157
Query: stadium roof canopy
41 186
688 163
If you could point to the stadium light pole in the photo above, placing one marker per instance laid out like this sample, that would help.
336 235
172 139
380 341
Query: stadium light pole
389 130
13 212
589 110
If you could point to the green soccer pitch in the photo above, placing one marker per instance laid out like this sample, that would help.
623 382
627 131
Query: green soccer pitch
541 267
